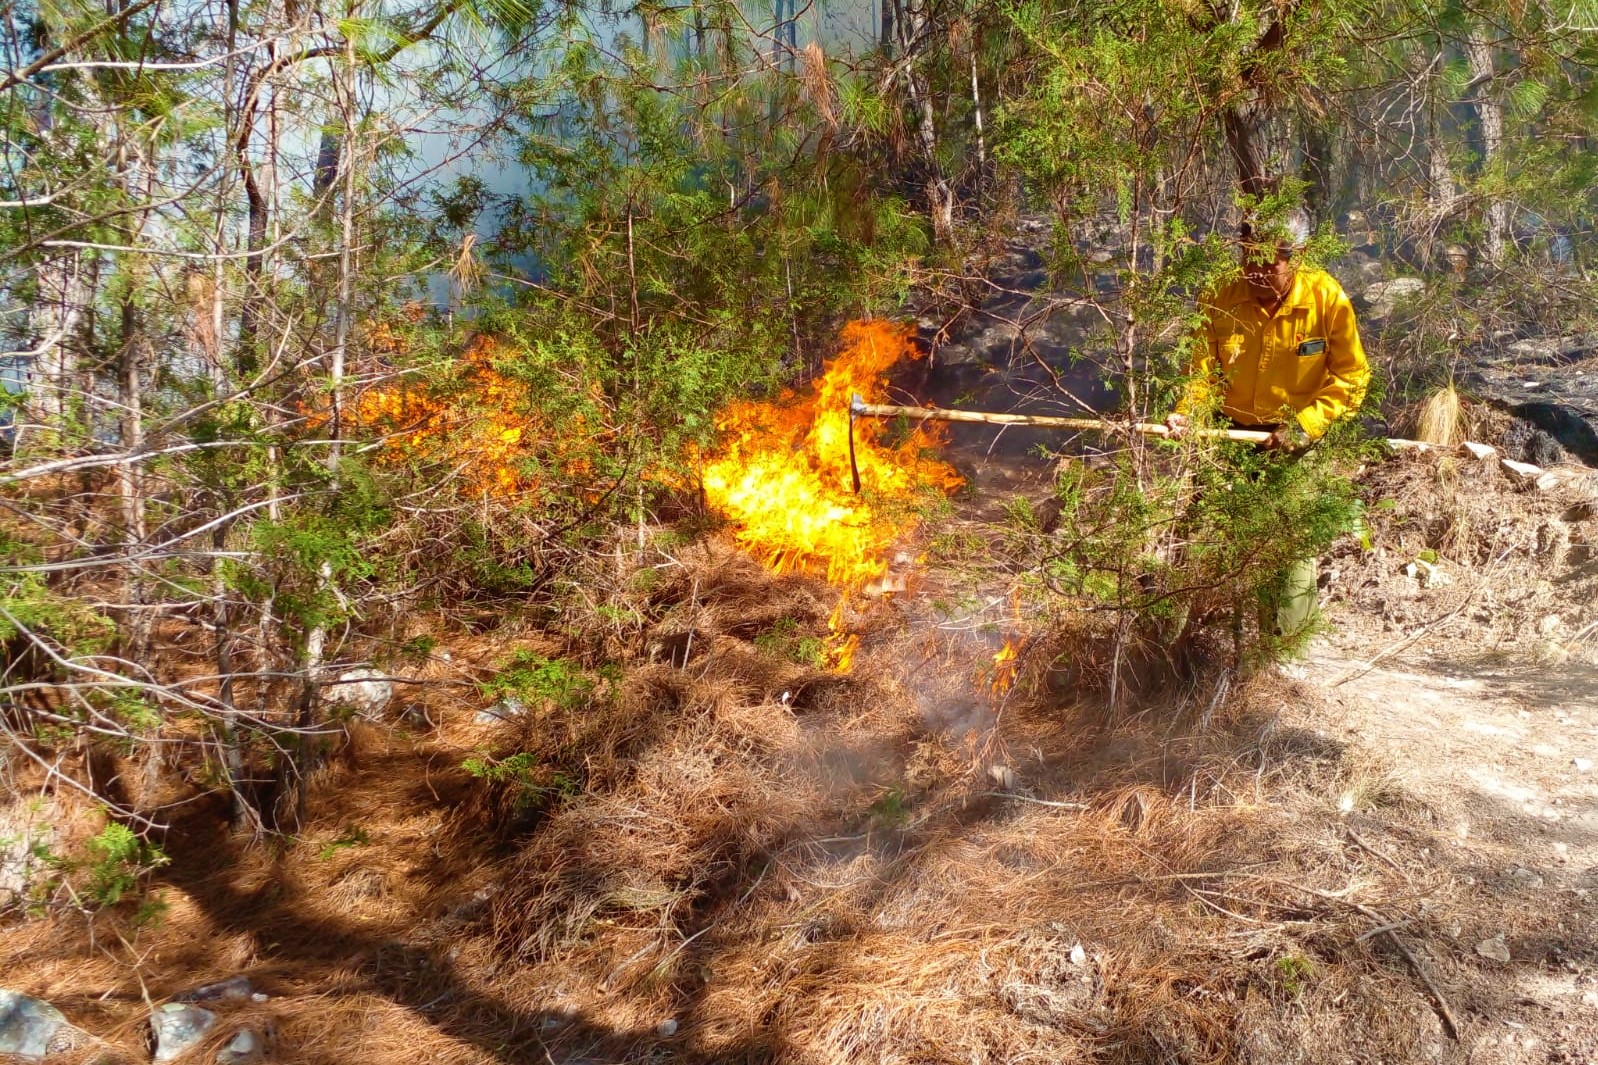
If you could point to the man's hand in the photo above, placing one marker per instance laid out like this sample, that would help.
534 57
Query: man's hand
1290 437
1177 424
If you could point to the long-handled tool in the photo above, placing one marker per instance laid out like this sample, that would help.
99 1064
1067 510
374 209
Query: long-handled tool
859 408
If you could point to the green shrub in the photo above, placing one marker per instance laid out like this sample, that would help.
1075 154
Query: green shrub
532 678
111 868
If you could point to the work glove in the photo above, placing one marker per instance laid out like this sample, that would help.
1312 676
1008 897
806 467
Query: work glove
1289 438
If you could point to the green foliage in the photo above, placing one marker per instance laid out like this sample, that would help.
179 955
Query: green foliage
115 861
532 678
517 767
352 836
1293 974
27 604
785 640
891 809
522 776
1186 553
419 647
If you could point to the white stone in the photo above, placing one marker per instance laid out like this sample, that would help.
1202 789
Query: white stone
1385 296
1493 948
363 690
506 709
1520 471
1427 574
1479 451
1565 477
178 1026
1526 878
233 989
245 1048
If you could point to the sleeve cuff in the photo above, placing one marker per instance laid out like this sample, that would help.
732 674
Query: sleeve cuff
1309 423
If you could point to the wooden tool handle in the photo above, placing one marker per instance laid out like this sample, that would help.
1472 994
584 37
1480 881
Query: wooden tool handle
861 409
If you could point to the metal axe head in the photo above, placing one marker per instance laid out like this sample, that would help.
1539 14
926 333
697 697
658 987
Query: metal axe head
856 403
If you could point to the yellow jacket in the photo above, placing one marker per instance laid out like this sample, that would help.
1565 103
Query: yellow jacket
1305 359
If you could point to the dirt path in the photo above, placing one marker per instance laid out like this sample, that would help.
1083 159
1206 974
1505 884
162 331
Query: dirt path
1495 763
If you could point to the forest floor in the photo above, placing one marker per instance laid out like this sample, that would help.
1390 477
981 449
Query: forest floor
1388 852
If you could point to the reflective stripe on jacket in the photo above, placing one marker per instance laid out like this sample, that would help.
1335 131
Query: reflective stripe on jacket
1305 359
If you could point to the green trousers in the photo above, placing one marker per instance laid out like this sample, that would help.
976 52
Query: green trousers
1295 600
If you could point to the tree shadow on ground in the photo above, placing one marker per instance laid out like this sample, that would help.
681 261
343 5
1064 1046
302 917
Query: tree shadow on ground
1074 756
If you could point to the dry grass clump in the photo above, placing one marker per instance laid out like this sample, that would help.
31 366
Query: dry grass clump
1439 421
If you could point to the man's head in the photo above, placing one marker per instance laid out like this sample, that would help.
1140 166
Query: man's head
1270 253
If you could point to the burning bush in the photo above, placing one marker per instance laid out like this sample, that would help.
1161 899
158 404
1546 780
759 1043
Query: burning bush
783 473
486 423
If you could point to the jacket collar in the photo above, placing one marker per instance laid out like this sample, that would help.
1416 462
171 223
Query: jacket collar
1301 295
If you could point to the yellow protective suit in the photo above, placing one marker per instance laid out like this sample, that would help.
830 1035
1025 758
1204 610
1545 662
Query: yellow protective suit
1303 361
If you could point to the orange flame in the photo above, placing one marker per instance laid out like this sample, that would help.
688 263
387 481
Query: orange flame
782 474
489 431
1004 668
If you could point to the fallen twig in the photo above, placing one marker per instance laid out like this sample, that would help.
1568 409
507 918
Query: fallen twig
1394 927
1443 1009
1359 841
1035 802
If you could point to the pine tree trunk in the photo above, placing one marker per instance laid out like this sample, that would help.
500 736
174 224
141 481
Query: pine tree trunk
55 312
1442 194
976 111
1317 167
316 640
1490 113
940 198
1243 127
130 486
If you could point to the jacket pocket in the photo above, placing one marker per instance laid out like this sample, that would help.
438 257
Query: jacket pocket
1309 375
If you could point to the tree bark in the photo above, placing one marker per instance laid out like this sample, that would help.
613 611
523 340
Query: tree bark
55 312
1243 123
130 484
1243 126
315 653
1442 193
1490 113
940 198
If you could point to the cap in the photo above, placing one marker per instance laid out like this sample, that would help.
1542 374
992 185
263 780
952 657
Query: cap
1290 230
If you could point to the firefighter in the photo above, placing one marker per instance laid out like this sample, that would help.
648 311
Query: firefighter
1279 351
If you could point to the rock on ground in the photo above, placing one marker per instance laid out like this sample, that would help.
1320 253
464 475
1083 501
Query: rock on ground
363 690
243 1049
1550 385
33 1029
1384 297
178 1027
